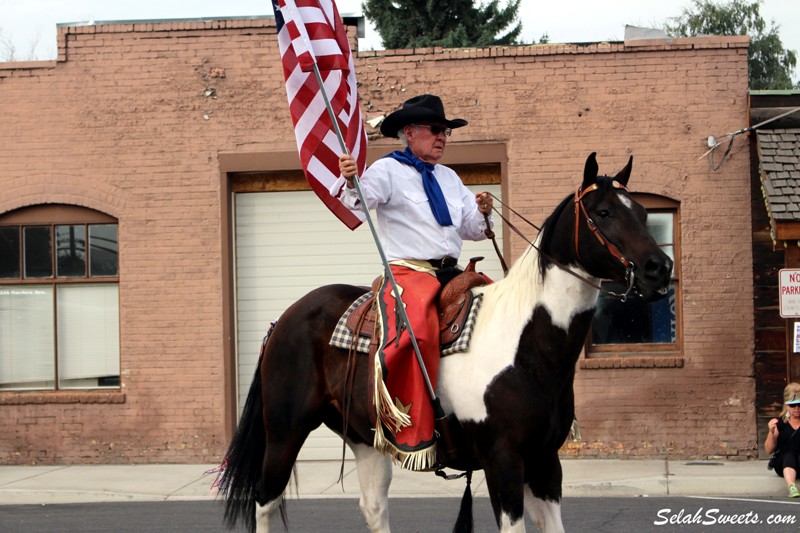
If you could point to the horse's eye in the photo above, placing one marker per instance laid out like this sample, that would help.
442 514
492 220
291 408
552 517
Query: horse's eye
604 213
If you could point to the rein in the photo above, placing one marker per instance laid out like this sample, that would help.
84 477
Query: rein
580 209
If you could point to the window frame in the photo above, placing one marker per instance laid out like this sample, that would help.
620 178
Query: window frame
53 215
597 352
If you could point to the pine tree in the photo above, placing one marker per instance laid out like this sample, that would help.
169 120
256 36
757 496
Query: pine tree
770 65
450 24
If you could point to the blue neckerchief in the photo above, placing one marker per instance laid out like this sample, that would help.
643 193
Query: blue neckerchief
432 189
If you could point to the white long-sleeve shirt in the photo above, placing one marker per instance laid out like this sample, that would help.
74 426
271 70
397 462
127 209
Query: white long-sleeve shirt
406 226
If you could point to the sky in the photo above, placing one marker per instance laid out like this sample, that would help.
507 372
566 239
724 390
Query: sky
31 24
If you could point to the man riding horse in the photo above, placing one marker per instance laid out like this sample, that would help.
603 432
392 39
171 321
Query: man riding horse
424 211
511 390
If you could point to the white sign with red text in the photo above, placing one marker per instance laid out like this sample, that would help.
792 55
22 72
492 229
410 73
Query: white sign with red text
789 287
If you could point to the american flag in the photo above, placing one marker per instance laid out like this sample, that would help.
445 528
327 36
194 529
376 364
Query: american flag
311 32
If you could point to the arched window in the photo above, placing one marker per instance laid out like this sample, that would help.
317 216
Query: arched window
59 299
634 327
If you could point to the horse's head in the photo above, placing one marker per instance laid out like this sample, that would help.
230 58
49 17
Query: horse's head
611 237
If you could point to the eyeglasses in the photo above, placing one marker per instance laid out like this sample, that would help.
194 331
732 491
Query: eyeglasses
793 406
436 130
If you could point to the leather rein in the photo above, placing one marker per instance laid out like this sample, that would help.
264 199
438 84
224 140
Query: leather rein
580 212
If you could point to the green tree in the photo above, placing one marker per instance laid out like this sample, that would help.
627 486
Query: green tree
450 23
770 65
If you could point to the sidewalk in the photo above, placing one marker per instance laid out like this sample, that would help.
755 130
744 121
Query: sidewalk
318 479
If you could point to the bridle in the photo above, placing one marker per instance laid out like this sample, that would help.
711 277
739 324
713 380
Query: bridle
580 210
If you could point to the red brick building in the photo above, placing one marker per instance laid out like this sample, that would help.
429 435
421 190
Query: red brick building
152 197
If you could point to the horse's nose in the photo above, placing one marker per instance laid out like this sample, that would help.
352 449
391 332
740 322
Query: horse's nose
658 267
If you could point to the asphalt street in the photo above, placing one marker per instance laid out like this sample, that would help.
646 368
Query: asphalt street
416 515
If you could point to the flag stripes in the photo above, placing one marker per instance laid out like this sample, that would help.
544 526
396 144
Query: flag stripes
311 32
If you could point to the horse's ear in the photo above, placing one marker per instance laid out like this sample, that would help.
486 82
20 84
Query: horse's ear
590 171
625 174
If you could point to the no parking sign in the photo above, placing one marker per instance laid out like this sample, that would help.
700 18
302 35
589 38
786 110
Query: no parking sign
790 292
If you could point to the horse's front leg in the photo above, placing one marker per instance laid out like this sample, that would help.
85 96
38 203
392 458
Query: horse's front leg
374 476
543 493
505 482
544 512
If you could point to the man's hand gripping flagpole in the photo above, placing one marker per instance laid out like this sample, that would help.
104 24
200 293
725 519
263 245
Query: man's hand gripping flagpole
438 412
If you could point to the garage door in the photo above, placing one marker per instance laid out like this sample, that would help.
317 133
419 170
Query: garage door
288 243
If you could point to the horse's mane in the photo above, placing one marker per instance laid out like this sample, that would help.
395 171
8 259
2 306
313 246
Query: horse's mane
521 287
548 234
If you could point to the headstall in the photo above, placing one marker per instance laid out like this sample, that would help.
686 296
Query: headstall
580 209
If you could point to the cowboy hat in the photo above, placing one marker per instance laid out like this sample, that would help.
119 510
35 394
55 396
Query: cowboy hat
424 108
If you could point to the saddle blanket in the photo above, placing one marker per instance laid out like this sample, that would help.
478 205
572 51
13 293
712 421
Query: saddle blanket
343 338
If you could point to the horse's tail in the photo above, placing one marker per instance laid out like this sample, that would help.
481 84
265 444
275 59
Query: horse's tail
464 522
244 459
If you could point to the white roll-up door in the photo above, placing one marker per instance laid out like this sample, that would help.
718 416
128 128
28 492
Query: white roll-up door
287 244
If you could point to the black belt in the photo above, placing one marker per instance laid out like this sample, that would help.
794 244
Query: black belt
444 262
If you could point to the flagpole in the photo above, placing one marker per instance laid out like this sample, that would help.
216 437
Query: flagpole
438 412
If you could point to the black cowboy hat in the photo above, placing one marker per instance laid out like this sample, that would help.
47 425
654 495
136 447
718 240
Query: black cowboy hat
424 108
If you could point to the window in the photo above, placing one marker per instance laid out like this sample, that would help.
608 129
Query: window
59 299
635 327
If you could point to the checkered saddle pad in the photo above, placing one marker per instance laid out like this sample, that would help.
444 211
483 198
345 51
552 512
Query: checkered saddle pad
343 337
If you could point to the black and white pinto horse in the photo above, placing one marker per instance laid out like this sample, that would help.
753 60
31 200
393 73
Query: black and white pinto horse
512 391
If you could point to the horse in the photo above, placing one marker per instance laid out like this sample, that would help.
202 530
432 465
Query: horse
511 391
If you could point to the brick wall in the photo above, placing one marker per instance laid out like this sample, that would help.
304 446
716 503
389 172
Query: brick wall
126 122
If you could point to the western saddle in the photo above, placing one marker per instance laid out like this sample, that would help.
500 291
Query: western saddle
454 303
